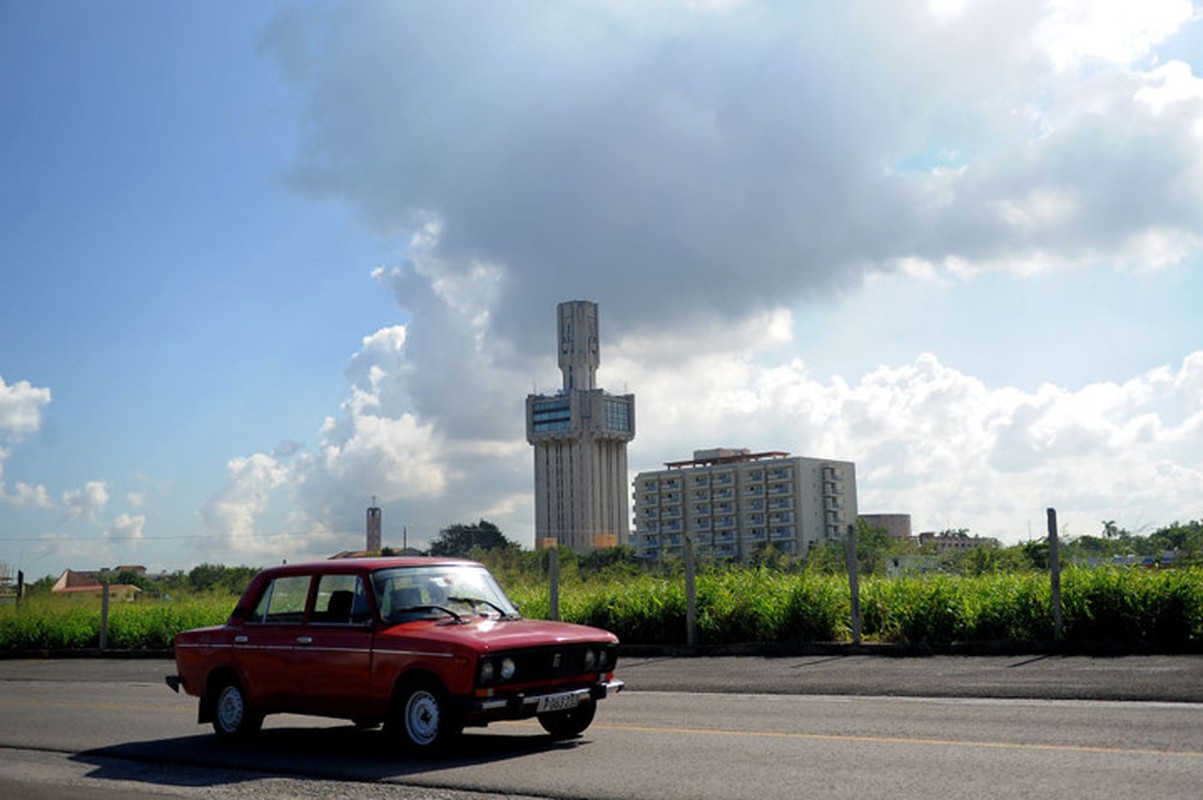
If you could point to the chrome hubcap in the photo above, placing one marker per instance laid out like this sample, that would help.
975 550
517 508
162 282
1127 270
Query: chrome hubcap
422 717
230 708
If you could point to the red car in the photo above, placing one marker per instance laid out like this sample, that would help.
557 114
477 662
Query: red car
426 646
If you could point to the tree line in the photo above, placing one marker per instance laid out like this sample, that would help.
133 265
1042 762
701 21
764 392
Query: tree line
875 548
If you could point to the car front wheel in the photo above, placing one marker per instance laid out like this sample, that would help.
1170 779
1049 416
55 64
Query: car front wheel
423 716
232 715
568 724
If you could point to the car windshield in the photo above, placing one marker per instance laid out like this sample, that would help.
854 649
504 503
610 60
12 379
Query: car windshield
408 593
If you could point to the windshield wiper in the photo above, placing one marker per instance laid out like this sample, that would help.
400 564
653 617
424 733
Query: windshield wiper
444 609
474 600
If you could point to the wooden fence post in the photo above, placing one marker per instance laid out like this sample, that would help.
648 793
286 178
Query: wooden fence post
553 570
853 582
1054 565
691 597
104 614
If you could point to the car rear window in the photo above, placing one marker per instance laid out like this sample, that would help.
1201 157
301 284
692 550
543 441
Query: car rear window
283 601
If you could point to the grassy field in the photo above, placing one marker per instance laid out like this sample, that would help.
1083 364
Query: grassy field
1163 609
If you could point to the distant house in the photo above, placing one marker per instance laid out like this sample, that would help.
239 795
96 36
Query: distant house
955 540
80 582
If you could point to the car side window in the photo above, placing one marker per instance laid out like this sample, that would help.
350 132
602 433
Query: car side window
340 600
283 601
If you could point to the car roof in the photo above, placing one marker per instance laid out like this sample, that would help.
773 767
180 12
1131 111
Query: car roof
346 565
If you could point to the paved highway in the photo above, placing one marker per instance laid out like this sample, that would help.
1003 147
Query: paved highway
103 730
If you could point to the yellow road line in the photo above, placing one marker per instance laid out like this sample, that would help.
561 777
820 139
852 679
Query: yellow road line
8 703
832 737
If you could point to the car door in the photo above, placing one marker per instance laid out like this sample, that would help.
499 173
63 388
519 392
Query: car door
333 653
263 647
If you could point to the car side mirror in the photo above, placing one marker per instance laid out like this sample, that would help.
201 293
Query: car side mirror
240 613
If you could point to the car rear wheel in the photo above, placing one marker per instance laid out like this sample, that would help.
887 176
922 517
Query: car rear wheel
423 716
568 724
232 715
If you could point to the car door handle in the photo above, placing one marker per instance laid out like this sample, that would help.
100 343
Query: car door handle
239 640
304 640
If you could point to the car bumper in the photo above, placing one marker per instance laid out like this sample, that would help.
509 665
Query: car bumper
523 705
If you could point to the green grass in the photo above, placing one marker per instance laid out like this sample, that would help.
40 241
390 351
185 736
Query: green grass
738 605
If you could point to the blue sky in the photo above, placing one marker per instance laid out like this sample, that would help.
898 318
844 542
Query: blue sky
264 261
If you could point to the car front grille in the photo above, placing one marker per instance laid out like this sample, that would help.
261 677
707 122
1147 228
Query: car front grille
549 663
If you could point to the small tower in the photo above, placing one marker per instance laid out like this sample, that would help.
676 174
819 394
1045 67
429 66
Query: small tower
373 527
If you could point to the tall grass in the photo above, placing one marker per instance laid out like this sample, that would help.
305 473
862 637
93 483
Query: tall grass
54 623
739 605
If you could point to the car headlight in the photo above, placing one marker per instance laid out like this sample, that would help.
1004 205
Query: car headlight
487 671
590 659
603 658
507 669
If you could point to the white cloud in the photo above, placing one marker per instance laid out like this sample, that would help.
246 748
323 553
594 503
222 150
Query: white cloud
738 157
697 170
21 406
88 502
126 528
23 495
1115 31
230 516
21 409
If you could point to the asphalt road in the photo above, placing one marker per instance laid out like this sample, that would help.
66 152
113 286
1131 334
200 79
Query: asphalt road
687 728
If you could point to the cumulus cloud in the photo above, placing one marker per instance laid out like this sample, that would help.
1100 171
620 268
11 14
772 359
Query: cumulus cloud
731 156
699 169
229 517
126 527
942 445
86 503
21 406
21 409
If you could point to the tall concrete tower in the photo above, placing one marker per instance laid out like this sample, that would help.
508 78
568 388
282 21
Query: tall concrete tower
580 437
373 527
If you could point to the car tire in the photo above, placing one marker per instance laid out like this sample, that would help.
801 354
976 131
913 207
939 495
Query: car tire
568 724
423 717
233 716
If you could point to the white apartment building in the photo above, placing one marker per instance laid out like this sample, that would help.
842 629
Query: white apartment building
733 502
580 437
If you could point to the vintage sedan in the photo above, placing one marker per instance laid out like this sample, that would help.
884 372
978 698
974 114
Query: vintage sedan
425 646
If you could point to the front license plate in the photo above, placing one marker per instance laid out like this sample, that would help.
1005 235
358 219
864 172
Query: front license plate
557 702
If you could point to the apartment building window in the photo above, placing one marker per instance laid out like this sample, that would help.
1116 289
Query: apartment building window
756 489
702 508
